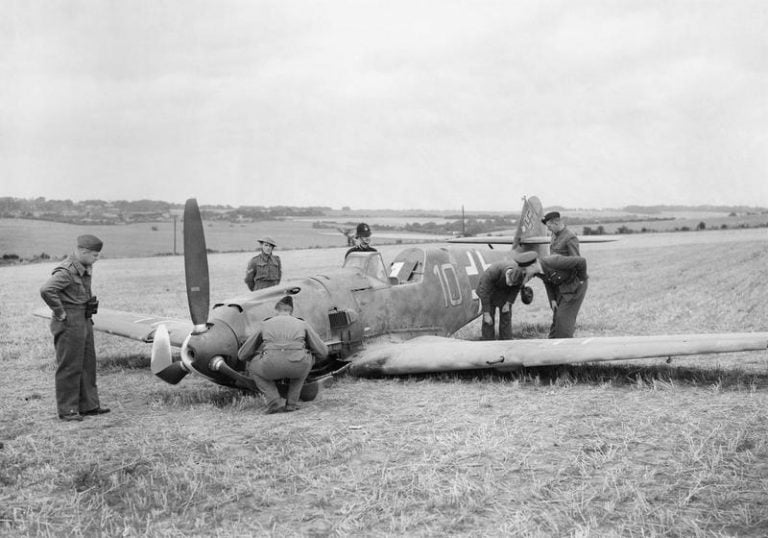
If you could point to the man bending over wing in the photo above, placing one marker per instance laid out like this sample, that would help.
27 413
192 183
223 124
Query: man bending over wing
565 278
498 288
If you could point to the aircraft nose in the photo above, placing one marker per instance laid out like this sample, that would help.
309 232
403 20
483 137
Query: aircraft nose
218 340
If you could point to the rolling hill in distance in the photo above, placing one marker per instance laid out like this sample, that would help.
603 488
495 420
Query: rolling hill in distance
40 229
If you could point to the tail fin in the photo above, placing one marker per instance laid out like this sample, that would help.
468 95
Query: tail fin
531 233
530 227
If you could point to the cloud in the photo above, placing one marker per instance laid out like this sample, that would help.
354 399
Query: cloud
386 104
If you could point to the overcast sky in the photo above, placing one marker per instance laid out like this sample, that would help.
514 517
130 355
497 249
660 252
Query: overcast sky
390 104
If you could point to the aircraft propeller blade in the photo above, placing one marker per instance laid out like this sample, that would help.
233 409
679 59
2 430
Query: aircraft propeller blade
162 364
196 265
174 373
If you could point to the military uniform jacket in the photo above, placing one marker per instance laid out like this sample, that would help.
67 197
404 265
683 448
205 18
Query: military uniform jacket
563 275
360 248
263 267
564 243
492 288
289 336
68 287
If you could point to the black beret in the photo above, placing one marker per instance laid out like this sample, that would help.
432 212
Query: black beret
91 242
524 259
551 215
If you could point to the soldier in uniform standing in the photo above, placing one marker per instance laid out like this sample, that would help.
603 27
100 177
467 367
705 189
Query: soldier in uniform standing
68 293
363 236
565 278
264 269
564 241
286 344
498 288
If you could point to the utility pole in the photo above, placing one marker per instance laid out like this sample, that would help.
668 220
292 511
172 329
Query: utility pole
463 231
175 217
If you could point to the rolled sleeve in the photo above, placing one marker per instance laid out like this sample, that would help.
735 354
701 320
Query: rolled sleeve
250 272
316 343
250 347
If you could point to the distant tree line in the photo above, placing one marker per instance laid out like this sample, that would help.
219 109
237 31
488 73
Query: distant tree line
470 226
650 209
124 211
13 259
624 229
255 213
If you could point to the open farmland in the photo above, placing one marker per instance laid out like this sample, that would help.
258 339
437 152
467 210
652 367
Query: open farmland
638 448
712 221
27 238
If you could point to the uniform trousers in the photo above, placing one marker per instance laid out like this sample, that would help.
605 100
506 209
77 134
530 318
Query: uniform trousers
75 363
281 364
564 316
505 324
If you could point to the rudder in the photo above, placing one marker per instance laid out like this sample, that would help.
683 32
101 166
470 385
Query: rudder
530 225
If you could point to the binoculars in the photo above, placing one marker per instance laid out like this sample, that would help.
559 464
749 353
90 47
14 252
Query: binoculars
91 307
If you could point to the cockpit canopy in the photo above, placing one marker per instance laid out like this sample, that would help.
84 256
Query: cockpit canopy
369 263
407 267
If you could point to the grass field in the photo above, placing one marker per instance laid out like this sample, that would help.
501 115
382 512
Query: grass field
641 448
712 221
27 238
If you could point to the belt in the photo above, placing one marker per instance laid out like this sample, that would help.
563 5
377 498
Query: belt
67 306
283 347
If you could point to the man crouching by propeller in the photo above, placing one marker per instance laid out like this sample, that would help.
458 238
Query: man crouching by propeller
283 346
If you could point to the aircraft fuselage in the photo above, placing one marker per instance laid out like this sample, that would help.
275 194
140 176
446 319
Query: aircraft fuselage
424 291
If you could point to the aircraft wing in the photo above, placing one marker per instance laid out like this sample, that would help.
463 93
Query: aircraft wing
438 354
534 240
135 326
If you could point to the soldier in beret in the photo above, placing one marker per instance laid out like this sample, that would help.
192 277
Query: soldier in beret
363 237
564 241
498 288
565 278
68 293
282 349
264 269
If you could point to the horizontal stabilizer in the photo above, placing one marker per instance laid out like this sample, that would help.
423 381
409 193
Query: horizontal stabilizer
438 354
134 326
535 240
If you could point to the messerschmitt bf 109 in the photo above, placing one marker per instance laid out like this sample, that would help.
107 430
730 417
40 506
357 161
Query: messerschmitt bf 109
378 319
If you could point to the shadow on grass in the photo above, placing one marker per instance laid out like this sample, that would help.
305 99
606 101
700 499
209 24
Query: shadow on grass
106 363
124 362
219 397
615 374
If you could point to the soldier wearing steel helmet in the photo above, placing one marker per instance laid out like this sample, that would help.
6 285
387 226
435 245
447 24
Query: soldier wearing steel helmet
363 237
264 269
68 293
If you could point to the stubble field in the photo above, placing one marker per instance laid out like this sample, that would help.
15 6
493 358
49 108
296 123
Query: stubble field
641 448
